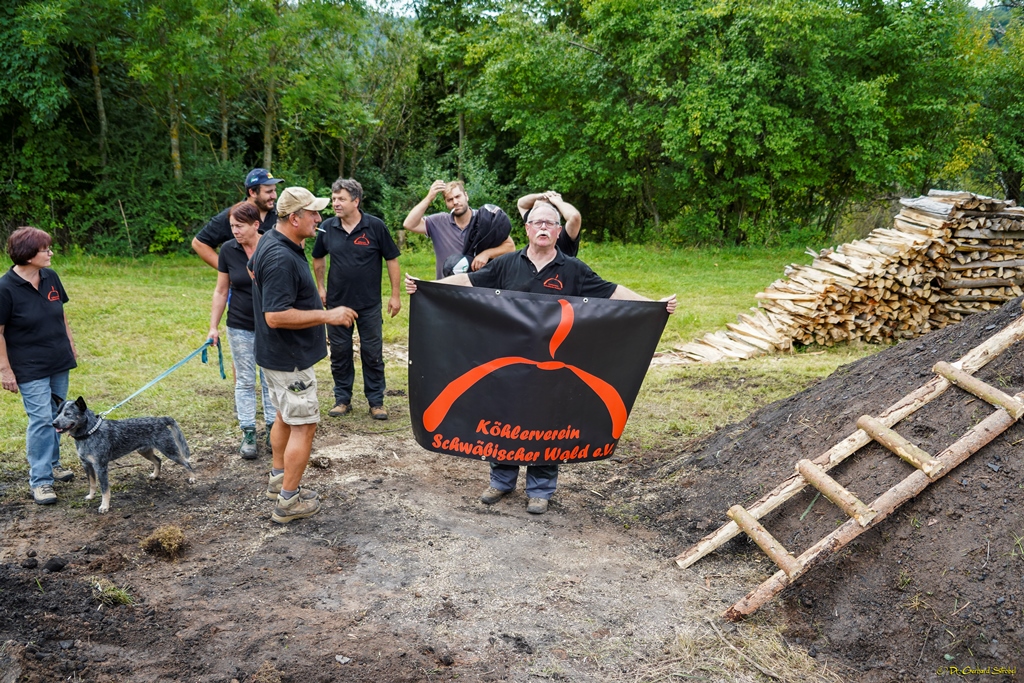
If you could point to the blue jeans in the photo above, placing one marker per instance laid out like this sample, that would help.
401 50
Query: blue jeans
42 442
541 480
371 352
243 354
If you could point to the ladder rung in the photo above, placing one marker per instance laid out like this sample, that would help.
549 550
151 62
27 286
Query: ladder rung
831 489
985 392
771 547
900 446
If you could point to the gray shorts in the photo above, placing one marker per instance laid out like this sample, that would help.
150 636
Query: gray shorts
294 395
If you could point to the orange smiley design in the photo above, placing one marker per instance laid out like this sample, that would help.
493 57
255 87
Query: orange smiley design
438 410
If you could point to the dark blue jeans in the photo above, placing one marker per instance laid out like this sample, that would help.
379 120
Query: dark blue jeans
371 352
541 480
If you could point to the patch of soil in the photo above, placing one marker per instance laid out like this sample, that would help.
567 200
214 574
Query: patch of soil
939 583
404 576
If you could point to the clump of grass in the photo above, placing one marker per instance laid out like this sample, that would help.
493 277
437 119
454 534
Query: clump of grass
167 541
110 594
267 673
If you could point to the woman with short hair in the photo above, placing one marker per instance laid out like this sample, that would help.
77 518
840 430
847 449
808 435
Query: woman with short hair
234 284
37 351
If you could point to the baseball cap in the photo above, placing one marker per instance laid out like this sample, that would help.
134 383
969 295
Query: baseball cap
297 198
260 176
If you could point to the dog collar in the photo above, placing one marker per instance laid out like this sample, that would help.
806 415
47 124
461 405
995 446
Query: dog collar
91 431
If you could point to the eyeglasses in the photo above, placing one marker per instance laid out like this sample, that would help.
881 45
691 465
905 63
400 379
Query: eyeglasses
544 224
47 250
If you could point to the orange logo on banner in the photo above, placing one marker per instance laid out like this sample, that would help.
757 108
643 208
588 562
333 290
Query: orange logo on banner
438 410
362 240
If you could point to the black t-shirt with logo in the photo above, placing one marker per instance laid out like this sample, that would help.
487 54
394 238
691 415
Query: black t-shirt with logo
233 261
565 275
354 276
33 320
282 281
218 230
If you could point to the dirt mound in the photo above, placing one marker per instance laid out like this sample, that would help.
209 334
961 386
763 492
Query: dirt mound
939 583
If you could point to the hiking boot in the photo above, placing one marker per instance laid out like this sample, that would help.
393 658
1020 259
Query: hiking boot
62 475
44 495
378 412
303 504
492 496
537 506
340 409
248 448
274 485
270 447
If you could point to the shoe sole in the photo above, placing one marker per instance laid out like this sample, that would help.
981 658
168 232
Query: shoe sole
334 413
48 501
492 501
248 456
66 478
284 519
378 417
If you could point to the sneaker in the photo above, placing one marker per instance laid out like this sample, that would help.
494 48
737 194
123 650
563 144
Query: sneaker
299 506
274 485
62 475
537 506
340 409
44 495
492 496
378 412
248 447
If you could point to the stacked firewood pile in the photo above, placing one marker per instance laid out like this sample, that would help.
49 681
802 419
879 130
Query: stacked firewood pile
947 255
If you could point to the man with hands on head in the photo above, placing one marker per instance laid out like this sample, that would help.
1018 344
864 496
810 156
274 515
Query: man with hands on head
539 268
448 231
569 238
290 340
356 243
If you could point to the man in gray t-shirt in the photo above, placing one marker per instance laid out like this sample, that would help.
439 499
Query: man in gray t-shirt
447 231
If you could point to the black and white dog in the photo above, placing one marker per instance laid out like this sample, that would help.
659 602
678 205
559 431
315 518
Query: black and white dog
100 442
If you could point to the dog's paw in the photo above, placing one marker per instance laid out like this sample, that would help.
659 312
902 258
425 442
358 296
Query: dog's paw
103 509
90 496
153 475
191 480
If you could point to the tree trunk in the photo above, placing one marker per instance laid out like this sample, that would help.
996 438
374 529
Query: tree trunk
223 126
100 111
172 111
268 119
341 158
1011 185
462 141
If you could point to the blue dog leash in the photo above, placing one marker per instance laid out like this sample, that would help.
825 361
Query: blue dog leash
200 351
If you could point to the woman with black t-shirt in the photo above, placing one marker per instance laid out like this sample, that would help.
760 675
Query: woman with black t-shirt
234 284
37 351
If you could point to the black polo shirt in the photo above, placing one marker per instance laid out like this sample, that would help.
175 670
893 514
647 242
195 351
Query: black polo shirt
218 230
565 276
33 320
354 276
233 261
281 281
568 245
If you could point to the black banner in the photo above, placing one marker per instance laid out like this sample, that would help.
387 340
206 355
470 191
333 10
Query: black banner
522 378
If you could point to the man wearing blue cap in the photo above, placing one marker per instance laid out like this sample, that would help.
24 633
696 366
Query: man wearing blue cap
261 192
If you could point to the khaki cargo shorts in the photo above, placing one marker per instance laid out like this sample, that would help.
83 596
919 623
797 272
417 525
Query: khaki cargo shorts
294 395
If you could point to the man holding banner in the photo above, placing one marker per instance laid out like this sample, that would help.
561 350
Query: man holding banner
540 268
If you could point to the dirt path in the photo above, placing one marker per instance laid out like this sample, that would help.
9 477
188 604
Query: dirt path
404 573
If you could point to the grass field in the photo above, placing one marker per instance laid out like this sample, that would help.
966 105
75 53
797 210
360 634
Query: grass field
134 319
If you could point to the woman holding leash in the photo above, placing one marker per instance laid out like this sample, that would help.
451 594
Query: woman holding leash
37 351
235 284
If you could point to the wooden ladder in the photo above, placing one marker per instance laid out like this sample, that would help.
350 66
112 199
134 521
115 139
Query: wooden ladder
862 516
